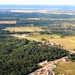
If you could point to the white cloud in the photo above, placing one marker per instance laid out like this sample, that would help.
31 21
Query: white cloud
49 2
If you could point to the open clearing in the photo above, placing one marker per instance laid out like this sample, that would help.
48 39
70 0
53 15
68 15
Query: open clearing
24 29
65 68
67 42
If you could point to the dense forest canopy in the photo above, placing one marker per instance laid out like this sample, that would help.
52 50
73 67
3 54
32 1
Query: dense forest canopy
21 56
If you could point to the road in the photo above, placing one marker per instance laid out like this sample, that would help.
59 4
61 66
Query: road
47 67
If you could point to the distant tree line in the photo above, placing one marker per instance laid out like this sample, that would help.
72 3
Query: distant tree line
55 26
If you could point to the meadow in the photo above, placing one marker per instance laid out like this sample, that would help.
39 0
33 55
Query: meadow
67 42
23 29
65 68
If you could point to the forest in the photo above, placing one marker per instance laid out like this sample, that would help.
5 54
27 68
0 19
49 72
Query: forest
21 56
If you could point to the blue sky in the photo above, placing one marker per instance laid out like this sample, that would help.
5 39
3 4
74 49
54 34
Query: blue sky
39 2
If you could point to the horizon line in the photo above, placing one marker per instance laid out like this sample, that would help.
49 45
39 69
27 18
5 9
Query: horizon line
42 4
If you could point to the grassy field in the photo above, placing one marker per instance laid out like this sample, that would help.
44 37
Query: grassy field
65 68
67 42
23 29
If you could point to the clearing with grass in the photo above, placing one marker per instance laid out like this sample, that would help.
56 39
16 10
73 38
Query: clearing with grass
67 42
65 68
24 29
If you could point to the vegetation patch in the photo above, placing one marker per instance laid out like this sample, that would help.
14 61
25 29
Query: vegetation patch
67 42
66 68
72 57
24 29
20 56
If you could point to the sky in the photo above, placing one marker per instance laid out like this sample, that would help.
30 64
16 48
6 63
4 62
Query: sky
38 2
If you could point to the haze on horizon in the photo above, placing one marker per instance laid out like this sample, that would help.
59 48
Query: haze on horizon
38 2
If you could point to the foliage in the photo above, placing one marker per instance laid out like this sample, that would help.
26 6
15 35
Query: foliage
20 56
72 57
61 24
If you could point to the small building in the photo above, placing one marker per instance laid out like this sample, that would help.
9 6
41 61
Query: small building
25 35
52 43
51 67
43 63
49 73
48 43
65 59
